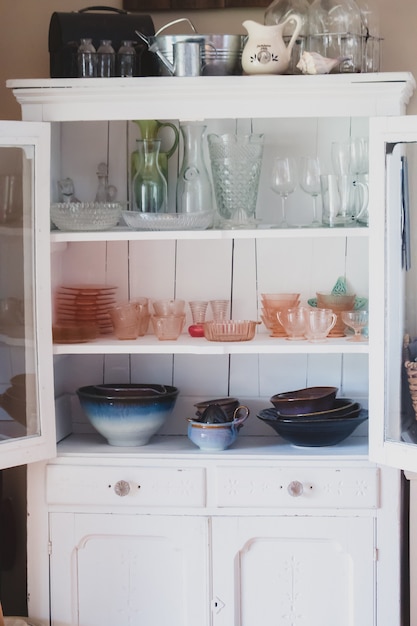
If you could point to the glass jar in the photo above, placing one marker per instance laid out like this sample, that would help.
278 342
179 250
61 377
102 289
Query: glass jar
278 11
106 57
126 60
86 59
335 32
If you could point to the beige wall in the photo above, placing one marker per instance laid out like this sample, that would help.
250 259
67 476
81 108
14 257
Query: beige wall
24 37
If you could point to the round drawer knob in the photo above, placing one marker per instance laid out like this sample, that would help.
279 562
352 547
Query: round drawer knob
295 488
121 488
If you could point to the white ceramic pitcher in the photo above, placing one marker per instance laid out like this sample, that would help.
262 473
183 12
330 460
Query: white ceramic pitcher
265 51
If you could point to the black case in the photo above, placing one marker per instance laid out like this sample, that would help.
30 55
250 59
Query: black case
97 23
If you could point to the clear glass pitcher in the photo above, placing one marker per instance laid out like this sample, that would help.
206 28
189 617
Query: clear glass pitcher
194 191
150 189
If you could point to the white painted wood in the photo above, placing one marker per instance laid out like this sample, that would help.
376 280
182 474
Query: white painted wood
350 510
293 570
142 568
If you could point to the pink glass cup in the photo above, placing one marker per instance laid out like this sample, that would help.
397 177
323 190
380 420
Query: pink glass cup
168 327
294 322
124 318
319 322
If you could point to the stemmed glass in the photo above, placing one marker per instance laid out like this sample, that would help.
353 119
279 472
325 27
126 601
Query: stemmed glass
284 182
357 320
310 182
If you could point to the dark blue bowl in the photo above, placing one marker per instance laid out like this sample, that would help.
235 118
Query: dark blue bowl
313 432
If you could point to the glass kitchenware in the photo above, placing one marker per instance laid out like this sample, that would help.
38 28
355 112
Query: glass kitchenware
86 59
150 129
150 189
357 320
310 182
105 192
106 59
284 182
236 162
294 322
277 12
126 59
335 31
198 312
219 309
319 322
194 192
124 317
169 306
168 327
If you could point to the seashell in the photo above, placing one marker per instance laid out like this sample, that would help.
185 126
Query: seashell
315 63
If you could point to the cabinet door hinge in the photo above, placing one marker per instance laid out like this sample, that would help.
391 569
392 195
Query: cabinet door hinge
376 554
49 548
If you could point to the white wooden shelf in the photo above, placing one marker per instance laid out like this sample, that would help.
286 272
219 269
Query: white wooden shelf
264 232
348 95
263 343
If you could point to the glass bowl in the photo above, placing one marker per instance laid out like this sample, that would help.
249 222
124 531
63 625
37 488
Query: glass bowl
230 330
168 221
80 216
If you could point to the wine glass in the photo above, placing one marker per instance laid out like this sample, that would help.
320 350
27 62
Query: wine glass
284 182
357 320
310 182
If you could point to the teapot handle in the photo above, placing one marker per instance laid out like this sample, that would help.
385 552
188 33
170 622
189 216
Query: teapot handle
237 421
298 24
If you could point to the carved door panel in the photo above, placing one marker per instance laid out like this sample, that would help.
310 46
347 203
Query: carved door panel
278 571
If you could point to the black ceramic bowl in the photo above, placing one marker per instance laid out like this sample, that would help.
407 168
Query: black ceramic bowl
308 400
313 433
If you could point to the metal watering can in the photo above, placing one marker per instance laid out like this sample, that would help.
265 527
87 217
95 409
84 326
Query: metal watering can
187 52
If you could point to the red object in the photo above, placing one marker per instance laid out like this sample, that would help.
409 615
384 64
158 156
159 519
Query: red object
196 330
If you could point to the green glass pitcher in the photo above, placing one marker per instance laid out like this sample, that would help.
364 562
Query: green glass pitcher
149 129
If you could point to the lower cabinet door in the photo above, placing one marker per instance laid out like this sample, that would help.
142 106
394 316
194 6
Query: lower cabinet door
293 571
129 570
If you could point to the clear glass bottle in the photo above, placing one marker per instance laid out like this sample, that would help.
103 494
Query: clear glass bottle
194 190
278 11
150 189
126 60
336 32
86 59
106 58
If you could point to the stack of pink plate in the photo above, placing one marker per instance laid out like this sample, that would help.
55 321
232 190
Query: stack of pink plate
83 306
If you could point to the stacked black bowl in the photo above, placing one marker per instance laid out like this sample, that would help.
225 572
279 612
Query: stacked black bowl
313 417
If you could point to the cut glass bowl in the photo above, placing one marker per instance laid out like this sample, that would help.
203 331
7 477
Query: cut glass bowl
86 216
168 221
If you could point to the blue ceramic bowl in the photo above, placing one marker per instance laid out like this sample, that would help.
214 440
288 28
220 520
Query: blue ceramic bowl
212 437
127 414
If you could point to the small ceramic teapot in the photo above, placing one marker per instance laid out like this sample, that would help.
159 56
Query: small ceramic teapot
265 51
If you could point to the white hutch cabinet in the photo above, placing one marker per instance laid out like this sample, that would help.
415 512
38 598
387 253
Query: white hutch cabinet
263 532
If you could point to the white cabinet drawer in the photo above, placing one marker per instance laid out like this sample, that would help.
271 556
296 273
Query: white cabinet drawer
297 487
126 486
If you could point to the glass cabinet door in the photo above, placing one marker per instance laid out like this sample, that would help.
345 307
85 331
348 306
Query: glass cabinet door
393 291
26 398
